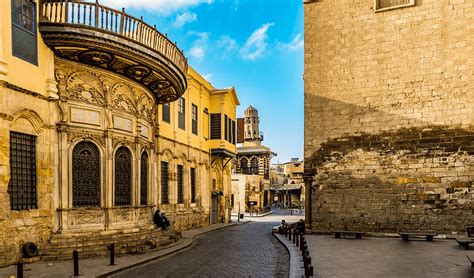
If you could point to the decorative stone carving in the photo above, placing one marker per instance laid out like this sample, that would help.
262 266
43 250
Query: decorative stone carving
76 219
124 142
145 215
122 98
77 136
122 216
85 86
146 108
97 58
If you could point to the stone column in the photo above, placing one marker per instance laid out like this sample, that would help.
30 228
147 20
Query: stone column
108 174
51 84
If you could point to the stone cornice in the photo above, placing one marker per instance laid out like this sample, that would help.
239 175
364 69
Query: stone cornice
13 87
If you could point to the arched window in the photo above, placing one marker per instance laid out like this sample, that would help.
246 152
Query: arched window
85 175
123 177
254 166
244 165
144 179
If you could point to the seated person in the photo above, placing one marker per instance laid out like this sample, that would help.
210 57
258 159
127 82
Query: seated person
166 221
158 220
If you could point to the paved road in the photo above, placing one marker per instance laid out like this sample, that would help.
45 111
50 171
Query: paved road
246 250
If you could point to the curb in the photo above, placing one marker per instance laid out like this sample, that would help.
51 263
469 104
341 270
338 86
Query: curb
296 259
256 216
185 243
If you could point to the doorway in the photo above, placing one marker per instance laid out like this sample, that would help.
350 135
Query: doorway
215 209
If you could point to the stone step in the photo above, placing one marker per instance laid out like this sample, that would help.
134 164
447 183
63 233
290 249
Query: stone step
96 244
81 237
102 251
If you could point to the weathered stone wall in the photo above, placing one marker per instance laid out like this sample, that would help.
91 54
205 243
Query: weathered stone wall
31 113
388 115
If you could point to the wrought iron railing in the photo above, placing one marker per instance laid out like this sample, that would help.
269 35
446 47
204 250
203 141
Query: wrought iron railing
83 13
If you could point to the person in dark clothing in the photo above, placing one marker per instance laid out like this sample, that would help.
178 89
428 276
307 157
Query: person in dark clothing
158 220
165 221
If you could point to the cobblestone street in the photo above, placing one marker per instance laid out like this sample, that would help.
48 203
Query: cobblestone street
247 250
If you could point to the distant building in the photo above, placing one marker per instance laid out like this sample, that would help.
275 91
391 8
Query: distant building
251 181
287 184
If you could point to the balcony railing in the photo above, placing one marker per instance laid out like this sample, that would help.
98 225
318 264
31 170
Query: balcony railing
92 15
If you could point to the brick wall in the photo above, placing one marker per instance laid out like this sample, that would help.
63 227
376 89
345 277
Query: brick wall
388 115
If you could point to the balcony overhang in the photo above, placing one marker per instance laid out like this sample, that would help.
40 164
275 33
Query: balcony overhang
110 39
221 152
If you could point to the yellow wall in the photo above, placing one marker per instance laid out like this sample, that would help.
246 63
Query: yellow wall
38 78
202 94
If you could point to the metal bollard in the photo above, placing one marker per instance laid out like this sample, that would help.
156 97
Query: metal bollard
301 242
308 271
294 236
75 257
297 239
112 254
305 255
19 270
289 234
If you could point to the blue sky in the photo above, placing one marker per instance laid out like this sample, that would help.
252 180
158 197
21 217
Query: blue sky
254 45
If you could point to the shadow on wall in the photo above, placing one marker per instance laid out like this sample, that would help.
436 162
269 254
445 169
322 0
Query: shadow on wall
383 172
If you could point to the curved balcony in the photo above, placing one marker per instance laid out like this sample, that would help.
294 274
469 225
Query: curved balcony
97 35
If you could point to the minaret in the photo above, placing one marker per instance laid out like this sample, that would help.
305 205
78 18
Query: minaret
252 136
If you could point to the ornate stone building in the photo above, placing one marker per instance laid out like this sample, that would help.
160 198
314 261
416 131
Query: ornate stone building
389 115
287 185
101 123
251 181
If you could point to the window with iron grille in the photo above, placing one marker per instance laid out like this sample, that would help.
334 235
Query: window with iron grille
24 43
206 125
123 177
244 166
180 184
234 131
22 186
144 179
216 126
164 183
254 166
85 175
181 113
226 128
193 185
195 119
165 112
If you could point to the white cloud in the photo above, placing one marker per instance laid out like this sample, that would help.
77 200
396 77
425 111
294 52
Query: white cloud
164 7
203 36
295 44
184 18
198 49
227 43
256 44
197 52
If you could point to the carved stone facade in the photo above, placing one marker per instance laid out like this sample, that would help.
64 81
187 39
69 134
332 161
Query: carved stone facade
109 113
388 116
